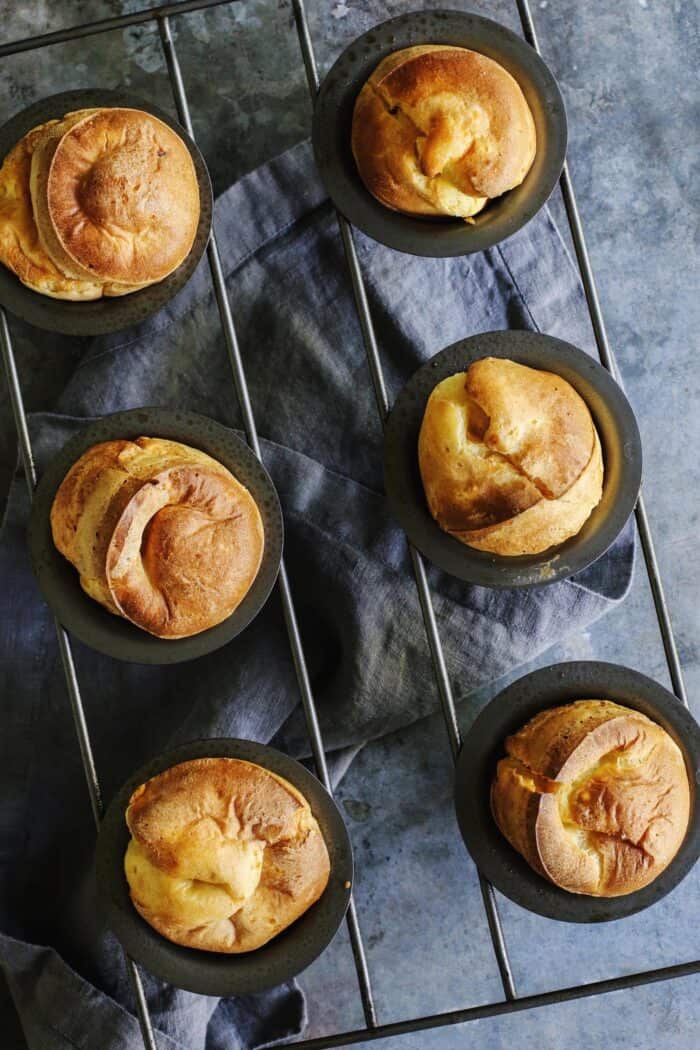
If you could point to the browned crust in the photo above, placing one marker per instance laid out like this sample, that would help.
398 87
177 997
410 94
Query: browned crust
509 458
547 523
87 253
190 818
38 183
536 418
21 249
438 130
160 533
122 196
594 795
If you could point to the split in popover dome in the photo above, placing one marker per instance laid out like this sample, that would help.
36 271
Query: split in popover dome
595 797
510 458
160 533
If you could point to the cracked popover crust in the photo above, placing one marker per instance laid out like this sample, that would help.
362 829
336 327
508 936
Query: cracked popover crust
595 797
439 130
160 533
509 457
224 854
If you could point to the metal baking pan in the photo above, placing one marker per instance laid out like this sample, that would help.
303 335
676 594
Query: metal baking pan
483 746
332 123
110 314
212 973
622 457
58 580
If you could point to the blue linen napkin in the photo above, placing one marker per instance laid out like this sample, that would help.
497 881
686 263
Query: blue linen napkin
347 560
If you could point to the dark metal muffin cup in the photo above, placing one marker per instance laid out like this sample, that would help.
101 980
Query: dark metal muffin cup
213 973
58 581
100 316
484 745
622 458
332 125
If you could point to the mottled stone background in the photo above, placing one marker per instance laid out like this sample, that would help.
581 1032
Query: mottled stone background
628 72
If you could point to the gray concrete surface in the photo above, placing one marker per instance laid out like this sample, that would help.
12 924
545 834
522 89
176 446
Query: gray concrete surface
627 71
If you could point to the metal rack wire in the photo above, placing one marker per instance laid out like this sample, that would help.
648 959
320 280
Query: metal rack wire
372 1030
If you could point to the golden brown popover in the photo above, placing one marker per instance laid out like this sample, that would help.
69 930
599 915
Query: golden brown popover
20 248
101 202
224 854
160 533
510 458
438 130
595 797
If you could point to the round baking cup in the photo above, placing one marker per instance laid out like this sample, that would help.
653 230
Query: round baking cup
110 314
212 973
332 125
484 745
58 581
622 457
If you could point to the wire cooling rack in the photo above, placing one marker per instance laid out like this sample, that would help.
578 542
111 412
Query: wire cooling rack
511 1002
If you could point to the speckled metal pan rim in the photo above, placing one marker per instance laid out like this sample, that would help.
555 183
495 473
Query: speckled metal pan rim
101 315
210 973
622 455
483 746
332 122
58 580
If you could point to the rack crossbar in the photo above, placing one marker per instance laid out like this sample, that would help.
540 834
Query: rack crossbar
107 25
501 1009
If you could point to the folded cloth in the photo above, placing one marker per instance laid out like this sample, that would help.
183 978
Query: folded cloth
347 561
